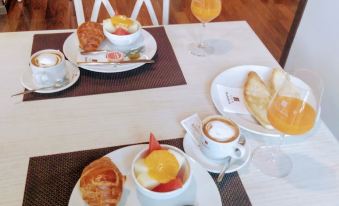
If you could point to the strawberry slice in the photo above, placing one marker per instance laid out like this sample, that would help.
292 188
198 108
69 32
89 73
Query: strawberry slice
121 31
153 144
169 186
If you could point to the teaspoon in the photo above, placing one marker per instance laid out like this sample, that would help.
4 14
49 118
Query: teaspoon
56 85
242 141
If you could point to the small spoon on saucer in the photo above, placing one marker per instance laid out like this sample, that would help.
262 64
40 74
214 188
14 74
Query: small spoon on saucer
56 85
227 165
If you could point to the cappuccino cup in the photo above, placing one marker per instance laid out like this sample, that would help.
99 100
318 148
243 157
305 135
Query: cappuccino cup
216 136
220 138
48 67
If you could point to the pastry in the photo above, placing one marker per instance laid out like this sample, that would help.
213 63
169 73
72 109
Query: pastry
90 35
257 98
101 183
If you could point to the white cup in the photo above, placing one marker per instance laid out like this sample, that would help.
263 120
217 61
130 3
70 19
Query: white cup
216 136
48 67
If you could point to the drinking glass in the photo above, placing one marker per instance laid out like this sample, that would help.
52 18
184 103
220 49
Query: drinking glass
293 110
205 11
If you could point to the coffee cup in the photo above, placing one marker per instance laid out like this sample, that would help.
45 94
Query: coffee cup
48 67
216 136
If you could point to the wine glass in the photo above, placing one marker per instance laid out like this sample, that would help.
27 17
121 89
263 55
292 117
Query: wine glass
205 11
293 110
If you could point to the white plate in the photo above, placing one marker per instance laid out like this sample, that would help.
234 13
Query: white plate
202 189
72 73
214 166
235 77
71 50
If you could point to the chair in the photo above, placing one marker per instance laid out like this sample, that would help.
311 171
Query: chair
79 11
149 6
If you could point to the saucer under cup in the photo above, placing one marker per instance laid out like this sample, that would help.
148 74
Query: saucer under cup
213 165
72 76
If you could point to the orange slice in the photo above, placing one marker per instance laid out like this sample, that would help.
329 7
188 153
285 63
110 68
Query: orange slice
162 165
121 20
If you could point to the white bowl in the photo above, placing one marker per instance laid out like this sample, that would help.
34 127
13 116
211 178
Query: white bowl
123 40
163 195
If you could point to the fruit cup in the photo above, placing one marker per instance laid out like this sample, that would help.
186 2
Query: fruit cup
121 30
170 187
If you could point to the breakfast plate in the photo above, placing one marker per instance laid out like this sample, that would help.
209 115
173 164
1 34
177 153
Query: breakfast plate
71 50
72 75
210 165
235 78
201 191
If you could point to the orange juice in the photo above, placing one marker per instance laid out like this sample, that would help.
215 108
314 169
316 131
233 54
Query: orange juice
206 10
291 115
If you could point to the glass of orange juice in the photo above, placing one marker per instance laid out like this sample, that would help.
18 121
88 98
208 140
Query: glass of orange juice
205 11
293 110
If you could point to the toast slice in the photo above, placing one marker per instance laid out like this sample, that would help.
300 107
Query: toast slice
277 78
257 98
276 81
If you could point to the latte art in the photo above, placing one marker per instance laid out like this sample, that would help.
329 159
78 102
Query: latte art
46 59
220 130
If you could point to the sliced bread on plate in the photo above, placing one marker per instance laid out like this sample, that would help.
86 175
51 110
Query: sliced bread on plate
257 98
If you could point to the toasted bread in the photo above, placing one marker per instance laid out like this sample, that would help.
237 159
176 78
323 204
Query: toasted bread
257 98
276 80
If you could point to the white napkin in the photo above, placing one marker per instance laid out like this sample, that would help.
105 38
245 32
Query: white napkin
232 99
100 57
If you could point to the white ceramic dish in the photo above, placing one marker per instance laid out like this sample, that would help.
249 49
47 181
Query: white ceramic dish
202 190
235 77
210 165
72 73
123 40
164 195
71 50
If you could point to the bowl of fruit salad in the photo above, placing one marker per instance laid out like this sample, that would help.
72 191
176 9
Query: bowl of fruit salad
121 30
161 171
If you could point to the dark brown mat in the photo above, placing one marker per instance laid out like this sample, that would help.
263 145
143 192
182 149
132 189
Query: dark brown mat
165 72
51 179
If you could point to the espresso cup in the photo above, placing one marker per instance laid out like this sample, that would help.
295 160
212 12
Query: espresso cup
48 67
219 138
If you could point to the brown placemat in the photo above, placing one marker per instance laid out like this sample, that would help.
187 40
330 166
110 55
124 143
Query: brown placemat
51 179
163 73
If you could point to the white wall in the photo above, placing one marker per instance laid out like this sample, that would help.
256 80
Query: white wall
316 46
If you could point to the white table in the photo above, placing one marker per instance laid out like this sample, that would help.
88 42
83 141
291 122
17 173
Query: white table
70 124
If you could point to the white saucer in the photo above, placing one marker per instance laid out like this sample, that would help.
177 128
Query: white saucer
72 73
210 165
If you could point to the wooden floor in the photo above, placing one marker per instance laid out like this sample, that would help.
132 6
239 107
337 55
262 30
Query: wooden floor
270 19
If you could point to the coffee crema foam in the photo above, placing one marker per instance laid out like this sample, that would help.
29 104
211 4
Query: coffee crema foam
220 130
46 59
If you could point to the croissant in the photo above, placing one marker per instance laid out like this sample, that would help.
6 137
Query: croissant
90 35
101 183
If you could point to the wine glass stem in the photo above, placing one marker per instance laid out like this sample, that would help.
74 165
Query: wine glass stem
277 147
201 43
280 141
